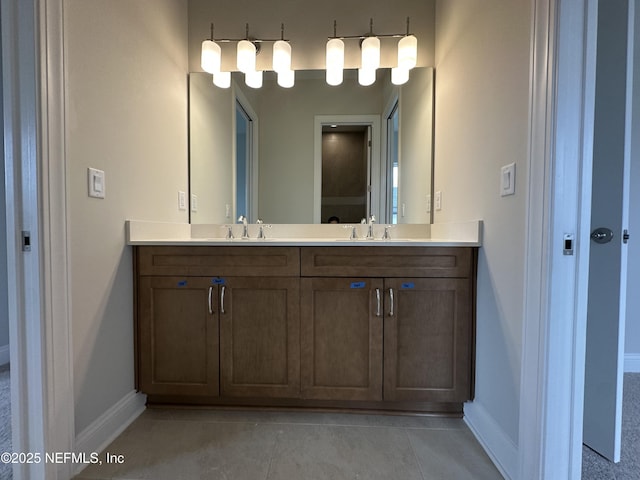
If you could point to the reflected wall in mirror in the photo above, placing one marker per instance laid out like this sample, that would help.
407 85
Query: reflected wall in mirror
258 152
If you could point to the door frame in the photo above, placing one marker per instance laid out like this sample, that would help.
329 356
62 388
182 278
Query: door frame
240 99
39 283
559 203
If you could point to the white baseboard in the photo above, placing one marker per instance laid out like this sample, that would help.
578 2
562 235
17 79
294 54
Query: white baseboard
97 436
4 355
632 362
502 451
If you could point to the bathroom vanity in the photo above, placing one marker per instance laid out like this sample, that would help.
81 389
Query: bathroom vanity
306 322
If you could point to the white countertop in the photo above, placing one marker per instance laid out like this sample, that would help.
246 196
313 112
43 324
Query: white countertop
466 234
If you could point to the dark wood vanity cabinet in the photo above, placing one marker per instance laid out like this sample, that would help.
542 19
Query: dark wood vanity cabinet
177 334
259 337
405 336
231 333
348 327
341 338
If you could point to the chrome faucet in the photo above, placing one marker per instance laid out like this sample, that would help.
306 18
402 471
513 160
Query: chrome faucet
245 226
261 227
372 220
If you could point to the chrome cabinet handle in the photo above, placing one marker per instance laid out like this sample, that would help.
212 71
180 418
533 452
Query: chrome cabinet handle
210 299
222 290
378 312
391 302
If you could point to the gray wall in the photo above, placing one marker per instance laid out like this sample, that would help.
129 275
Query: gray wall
126 92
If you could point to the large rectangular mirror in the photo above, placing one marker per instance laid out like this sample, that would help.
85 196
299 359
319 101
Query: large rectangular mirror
311 152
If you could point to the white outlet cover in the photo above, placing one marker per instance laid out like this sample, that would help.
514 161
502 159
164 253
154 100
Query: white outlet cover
96 183
194 202
438 200
508 180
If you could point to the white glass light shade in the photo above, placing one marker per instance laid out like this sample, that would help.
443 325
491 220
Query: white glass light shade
210 56
253 79
222 79
399 76
335 77
366 76
407 52
370 53
286 78
281 56
335 61
246 56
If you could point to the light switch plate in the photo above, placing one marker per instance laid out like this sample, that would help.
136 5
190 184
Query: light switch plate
508 180
182 200
194 202
438 200
96 183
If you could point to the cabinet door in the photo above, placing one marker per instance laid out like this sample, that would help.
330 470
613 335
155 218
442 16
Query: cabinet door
341 338
427 345
260 337
178 336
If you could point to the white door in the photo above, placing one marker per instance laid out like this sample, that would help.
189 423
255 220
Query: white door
604 366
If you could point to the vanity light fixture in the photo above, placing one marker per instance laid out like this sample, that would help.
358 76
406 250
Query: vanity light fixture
281 53
247 49
370 46
335 59
211 55
370 50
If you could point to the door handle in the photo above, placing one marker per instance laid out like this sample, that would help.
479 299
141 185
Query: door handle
378 303
209 300
391 306
222 291
602 235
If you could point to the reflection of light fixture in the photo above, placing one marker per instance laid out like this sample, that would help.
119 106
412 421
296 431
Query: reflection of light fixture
253 79
370 45
211 55
222 79
286 78
399 76
366 76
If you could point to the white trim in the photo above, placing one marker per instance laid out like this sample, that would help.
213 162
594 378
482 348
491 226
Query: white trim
319 121
632 363
104 430
56 269
23 176
239 97
4 355
500 448
554 334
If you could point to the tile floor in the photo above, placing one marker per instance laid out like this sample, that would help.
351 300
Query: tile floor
230 445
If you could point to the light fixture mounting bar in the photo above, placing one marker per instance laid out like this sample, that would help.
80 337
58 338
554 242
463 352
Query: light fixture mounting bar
247 37
370 34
